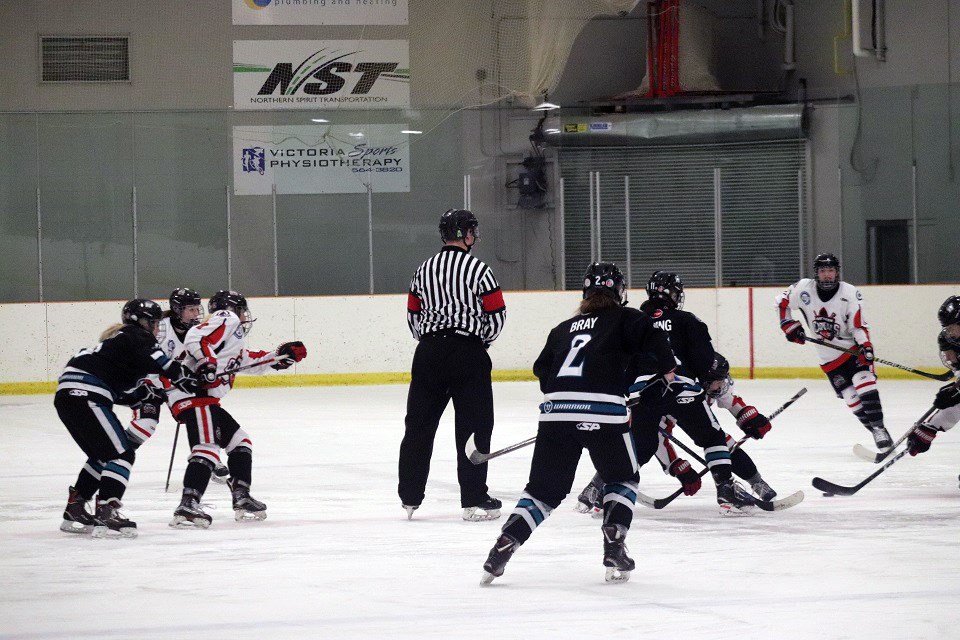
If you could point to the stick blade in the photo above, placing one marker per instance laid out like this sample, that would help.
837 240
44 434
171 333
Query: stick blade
866 454
646 500
836 489
470 449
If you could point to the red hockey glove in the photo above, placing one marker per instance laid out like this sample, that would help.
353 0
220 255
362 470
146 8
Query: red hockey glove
682 471
753 423
865 357
793 330
920 439
206 370
294 350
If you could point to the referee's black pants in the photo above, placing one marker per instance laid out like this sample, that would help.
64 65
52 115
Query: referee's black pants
447 367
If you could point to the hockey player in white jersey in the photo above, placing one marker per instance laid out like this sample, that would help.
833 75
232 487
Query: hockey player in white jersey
185 312
833 312
216 347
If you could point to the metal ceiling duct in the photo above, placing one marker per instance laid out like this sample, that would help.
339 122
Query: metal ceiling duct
771 122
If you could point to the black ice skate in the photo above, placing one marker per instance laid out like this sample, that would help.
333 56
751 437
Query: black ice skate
190 514
590 499
76 518
245 507
733 499
111 523
881 437
220 474
760 487
615 558
500 554
489 509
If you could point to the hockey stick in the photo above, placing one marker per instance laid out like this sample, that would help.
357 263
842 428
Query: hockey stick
839 490
479 458
270 360
660 503
942 377
862 452
176 434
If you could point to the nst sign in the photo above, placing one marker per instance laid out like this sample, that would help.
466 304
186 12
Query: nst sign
308 74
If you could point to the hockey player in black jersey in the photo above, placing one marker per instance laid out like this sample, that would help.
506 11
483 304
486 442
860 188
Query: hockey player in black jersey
93 381
581 371
691 343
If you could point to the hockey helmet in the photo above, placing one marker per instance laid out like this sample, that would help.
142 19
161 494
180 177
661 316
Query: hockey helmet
826 260
949 312
224 300
143 313
719 372
666 287
455 223
605 278
179 300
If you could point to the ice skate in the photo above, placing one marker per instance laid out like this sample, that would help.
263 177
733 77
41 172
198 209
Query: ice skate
190 514
733 499
503 549
881 437
76 518
615 558
220 474
488 509
589 499
111 523
245 506
760 487
410 508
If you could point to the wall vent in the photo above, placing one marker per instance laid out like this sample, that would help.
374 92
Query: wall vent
84 59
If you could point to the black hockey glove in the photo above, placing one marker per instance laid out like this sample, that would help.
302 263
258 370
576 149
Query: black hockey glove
920 439
206 370
656 392
948 396
181 377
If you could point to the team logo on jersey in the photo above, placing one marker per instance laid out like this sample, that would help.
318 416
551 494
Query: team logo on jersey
825 325
171 344
658 313
839 382
859 296
254 159
805 297
588 426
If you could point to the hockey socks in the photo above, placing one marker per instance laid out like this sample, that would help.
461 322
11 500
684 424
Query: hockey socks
240 463
89 479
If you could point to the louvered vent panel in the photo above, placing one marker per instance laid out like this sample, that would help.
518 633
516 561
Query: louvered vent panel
85 58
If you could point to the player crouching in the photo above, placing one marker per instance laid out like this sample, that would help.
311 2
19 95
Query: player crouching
215 349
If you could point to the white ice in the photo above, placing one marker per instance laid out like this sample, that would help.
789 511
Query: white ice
337 557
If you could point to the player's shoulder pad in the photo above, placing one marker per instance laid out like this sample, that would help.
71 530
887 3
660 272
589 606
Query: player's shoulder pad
850 292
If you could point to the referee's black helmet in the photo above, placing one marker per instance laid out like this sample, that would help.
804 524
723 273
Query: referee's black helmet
455 223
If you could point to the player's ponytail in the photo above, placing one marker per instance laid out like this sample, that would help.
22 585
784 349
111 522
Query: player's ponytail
110 331
595 302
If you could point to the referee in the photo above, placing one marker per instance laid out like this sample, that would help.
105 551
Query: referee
455 310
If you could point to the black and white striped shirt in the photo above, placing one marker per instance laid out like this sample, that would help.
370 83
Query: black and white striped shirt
454 290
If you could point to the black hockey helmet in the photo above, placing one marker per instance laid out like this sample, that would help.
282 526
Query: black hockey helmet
181 298
826 260
605 278
141 312
949 312
667 288
455 223
224 300
719 371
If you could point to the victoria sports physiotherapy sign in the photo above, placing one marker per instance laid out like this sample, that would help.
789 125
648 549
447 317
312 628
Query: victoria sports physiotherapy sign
321 74
320 12
321 159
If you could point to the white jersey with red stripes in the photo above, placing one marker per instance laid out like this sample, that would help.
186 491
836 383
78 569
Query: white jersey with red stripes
838 320
169 341
221 337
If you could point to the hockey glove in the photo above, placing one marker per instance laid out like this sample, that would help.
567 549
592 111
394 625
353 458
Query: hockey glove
656 392
865 357
181 377
682 471
948 396
288 353
920 439
793 330
206 370
753 423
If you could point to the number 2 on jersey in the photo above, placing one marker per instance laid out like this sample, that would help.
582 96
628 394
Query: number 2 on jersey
576 344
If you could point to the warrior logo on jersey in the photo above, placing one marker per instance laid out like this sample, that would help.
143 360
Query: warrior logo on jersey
254 159
825 325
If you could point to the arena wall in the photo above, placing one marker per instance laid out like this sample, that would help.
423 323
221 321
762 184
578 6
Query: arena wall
365 340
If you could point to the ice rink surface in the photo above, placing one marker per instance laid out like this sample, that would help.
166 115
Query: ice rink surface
337 557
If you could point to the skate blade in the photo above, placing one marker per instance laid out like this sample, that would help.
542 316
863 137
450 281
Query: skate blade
240 515
596 514
180 522
487 578
616 575
71 526
731 511
107 532
471 514
219 479
582 508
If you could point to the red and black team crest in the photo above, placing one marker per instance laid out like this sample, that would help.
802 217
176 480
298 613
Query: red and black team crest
825 325
658 313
